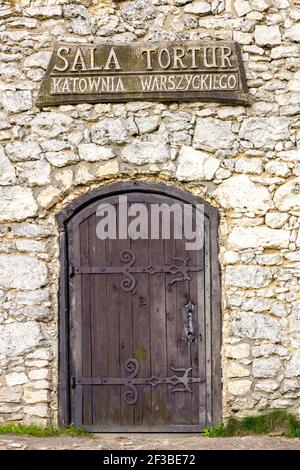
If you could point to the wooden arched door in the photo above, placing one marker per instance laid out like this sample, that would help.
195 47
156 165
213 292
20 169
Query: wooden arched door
140 326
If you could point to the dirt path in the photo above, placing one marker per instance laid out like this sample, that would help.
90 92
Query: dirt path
147 442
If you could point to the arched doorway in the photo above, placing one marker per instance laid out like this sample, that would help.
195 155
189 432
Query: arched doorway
140 318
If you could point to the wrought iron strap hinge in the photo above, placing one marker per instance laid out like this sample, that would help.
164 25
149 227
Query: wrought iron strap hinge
181 270
180 383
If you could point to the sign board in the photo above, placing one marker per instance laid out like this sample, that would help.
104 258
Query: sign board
165 71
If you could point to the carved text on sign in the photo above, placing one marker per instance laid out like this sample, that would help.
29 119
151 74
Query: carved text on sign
166 71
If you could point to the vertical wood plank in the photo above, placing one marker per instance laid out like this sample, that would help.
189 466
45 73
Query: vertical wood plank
158 332
124 301
208 323
198 398
183 347
99 335
141 331
85 229
113 330
171 331
216 328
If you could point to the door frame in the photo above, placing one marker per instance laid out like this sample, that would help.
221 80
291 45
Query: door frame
62 219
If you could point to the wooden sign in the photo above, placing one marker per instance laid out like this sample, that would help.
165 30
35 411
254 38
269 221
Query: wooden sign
165 71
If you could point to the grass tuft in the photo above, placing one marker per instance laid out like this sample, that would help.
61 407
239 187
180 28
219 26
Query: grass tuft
274 421
38 431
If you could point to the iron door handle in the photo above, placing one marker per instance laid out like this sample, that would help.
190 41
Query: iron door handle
189 335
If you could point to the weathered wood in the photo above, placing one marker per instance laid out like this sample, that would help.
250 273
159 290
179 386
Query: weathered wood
167 71
108 325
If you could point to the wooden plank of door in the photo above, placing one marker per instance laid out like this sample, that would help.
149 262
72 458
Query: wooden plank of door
215 321
85 230
158 333
198 345
113 331
75 333
124 302
141 331
171 331
207 281
184 411
100 345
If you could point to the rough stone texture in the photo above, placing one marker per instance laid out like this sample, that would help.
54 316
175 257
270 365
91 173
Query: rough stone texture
95 153
141 152
212 135
22 272
258 237
109 131
248 276
267 35
287 197
198 8
7 171
18 151
239 192
255 326
266 367
265 132
16 101
239 387
195 165
16 338
244 160
16 203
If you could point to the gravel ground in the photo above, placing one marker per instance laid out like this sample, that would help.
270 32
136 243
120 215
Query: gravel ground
147 442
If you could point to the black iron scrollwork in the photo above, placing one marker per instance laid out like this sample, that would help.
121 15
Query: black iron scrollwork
180 383
181 270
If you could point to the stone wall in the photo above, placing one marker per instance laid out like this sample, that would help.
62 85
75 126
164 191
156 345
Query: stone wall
243 160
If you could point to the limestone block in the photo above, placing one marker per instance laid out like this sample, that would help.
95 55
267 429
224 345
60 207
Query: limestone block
16 101
195 165
267 35
60 159
17 338
212 134
19 151
248 276
199 8
238 351
16 203
140 152
276 219
255 326
36 173
265 132
258 237
239 192
287 197
293 366
16 378
7 171
109 131
22 272
49 196
239 387
266 367
95 153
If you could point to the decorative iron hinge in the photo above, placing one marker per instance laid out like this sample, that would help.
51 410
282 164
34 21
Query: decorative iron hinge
182 270
180 383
